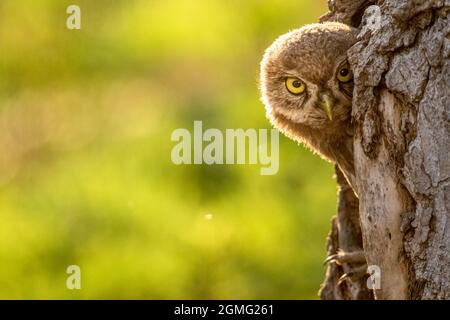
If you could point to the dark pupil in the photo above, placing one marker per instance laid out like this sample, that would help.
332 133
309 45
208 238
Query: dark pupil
344 72
297 84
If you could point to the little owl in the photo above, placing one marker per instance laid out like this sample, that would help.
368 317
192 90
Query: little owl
307 85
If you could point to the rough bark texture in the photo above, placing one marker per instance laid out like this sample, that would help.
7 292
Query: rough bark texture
345 235
401 108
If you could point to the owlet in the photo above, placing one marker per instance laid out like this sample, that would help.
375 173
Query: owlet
307 85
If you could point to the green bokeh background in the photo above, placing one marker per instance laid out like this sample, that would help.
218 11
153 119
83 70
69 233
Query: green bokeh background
85 171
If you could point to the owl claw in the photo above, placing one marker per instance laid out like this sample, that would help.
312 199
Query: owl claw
353 274
355 262
342 257
342 279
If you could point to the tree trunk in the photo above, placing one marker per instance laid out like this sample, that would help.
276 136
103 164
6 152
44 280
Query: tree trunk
345 235
401 108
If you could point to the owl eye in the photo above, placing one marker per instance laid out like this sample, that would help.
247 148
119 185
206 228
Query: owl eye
344 73
295 86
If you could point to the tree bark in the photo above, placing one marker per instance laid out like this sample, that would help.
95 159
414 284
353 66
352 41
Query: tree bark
401 110
345 235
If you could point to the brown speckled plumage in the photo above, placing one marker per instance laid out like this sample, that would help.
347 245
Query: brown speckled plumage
313 54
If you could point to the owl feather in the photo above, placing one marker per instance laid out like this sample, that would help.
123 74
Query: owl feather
306 86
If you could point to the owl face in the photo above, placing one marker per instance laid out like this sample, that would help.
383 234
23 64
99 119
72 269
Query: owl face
305 76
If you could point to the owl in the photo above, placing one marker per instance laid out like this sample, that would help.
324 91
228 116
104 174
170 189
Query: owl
306 85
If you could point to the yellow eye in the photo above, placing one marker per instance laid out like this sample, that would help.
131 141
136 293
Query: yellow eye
345 74
295 86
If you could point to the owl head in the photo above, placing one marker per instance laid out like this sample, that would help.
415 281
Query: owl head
306 78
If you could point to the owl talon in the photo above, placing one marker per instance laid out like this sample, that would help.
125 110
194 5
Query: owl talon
342 279
356 266
354 274
342 257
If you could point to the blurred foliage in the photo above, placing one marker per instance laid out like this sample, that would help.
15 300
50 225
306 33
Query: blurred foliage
85 171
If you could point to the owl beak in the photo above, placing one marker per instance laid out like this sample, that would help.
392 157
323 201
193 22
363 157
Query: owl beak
326 103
